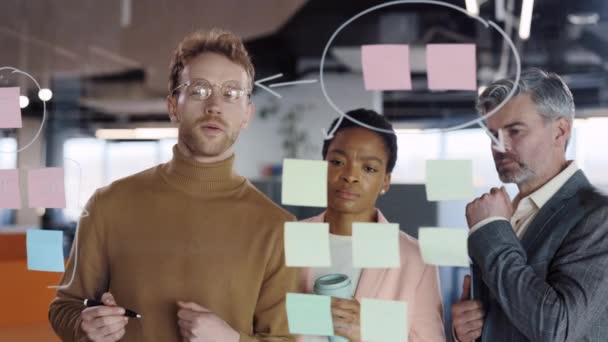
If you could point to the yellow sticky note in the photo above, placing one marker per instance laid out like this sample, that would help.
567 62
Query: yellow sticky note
304 183
376 245
444 246
307 244
449 180
383 320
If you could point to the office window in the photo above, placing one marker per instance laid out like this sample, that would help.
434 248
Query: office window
127 158
472 144
166 149
84 177
102 162
586 147
7 161
413 151
415 148
590 149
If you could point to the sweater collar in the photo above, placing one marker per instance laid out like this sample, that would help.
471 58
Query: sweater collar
196 177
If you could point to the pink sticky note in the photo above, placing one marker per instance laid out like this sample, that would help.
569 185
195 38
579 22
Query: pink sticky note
386 67
451 66
46 188
10 112
10 193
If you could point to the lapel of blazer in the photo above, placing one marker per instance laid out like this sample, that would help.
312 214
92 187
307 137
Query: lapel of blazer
369 283
552 211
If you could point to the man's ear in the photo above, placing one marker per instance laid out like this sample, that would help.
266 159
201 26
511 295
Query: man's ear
172 109
562 132
248 115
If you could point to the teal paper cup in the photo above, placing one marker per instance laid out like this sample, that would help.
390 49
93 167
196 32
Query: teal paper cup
335 285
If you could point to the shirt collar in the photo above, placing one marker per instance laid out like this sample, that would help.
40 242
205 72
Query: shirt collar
541 196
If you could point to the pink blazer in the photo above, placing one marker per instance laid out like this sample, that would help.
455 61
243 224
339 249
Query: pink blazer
415 283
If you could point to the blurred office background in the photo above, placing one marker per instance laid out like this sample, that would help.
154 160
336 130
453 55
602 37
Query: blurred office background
106 63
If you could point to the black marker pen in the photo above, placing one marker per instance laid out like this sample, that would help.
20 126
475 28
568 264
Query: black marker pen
128 313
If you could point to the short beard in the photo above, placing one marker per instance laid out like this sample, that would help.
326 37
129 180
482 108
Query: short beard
199 147
523 176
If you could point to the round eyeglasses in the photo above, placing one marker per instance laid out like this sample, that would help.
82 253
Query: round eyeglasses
200 90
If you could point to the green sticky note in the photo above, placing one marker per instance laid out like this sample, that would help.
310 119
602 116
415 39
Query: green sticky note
309 314
376 245
304 183
383 320
448 180
444 246
307 244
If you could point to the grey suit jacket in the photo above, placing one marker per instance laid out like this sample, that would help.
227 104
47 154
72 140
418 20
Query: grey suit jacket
552 285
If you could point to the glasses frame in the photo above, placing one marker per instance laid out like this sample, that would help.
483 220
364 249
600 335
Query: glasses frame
244 91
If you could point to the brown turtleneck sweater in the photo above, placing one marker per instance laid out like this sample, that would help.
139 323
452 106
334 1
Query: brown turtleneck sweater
181 231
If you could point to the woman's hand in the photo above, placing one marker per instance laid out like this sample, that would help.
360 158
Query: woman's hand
347 318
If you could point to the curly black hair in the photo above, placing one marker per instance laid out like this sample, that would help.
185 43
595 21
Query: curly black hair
371 118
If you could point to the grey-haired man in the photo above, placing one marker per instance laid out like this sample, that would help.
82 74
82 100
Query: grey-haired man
540 261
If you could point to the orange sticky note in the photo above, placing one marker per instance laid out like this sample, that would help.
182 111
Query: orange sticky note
451 66
46 188
10 112
386 67
10 193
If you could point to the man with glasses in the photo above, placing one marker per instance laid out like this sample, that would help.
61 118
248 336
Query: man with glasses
190 245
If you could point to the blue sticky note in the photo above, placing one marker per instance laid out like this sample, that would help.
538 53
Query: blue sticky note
309 314
45 250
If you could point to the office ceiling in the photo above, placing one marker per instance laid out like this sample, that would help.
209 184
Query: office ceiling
120 49
98 37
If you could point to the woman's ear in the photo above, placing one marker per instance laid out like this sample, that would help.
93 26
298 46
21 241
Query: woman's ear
387 184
